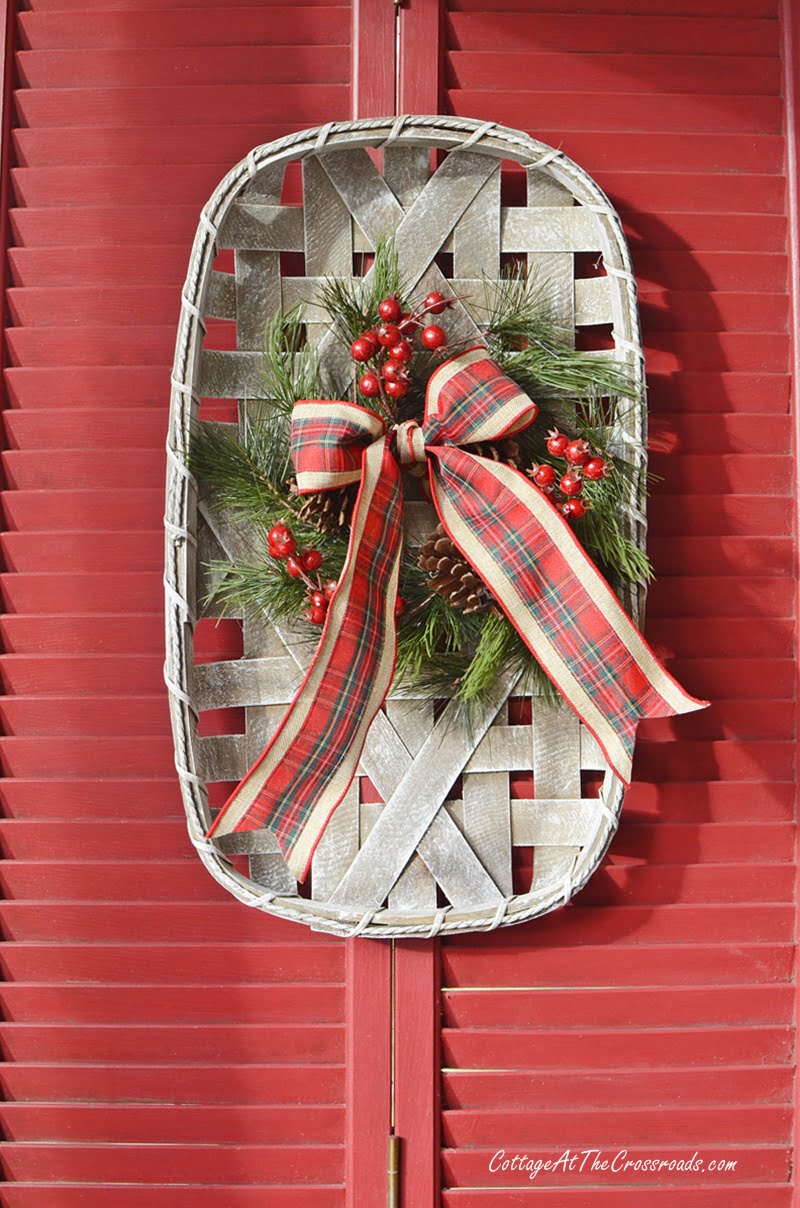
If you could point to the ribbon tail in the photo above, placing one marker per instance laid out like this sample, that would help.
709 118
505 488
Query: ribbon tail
310 762
556 599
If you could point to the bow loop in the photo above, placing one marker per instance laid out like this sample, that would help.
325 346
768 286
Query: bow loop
328 442
469 399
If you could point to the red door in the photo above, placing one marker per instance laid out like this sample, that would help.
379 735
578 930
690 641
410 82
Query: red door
164 1046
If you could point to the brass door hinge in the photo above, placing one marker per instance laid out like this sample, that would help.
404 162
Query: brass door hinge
393 1191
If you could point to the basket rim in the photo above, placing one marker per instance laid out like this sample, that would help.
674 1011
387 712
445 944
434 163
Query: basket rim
449 133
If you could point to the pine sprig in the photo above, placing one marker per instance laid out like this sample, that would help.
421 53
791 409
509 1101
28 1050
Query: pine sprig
259 587
535 350
247 467
291 369
237 465
352 305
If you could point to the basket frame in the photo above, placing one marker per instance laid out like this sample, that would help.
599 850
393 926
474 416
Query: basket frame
552 178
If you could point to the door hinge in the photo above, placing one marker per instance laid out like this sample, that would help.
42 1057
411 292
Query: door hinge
393 1191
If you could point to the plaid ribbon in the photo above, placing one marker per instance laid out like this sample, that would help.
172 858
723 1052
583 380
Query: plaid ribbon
519 544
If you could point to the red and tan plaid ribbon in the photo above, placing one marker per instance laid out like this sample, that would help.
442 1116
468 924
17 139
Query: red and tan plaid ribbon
508 530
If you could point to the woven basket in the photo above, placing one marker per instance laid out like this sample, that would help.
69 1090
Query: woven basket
389 871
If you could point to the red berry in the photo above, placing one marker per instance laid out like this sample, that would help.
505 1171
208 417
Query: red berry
571 483
397 389
373 339
369 385
578 452
317 599
399 606
388 334
393 371
406 325
544 477
574 509
435 303
294 566
433 336
316 615
390 310
312 559
401 352
362 349
557 443
595 468
330 589
280 541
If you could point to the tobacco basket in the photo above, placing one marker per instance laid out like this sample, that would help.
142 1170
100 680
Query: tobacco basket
400 869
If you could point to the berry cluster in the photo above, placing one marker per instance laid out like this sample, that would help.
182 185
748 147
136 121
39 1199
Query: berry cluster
582 464
387 350
283 546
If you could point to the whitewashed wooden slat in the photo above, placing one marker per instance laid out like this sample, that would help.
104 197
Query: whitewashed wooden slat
412 721
221 298
364 192
592 758
554 823
229 374
338 846
555 229
258 274
267 865
476 237
445 852
262 646
256 227
248 681
593 302
433 215
328 230
487 808
258 297
223 757
553 272
502 749
406 170
556 751
209 551
556 774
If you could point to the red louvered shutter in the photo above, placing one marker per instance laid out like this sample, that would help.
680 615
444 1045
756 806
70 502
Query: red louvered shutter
655 1014
163 1045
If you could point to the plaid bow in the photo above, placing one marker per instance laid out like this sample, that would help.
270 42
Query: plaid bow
523 550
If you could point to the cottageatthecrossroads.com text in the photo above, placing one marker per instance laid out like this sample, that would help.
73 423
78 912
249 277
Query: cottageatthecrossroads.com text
580 1161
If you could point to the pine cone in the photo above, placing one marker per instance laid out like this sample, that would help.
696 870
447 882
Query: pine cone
328 511
505 450
451 576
